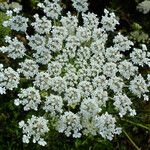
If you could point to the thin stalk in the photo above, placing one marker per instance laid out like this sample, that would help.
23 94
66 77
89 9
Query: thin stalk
137 124
133 143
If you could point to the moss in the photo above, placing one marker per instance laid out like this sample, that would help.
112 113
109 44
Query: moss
3 30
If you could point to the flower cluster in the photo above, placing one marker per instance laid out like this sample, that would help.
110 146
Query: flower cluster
35 128
76 71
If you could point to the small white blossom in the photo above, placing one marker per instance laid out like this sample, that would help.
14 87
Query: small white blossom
30 98
110 69
9 79
85 88
58 84
83 34
28 68
80 6
42 80
89 108
42 25
101 96
69 123
127 69
123 104
17 23
109 21
15 49
144 6
35 128
138 86
90 20
72 96
70 22
54 68
139 57
116 84
51 9
106 126
122 43
112 54
100 82
53 104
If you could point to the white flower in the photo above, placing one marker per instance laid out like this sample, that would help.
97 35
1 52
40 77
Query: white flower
58 84
42 25
36 42
144 6
122 43
139 56
138 86
112 54
123 104
30 98
89 108
69 123
72 96
17 23
35 128
100 82
90 20
28 68
116 84
15 49
59 31
42 80
53 104
2 90
51 9
70 22
127 69
109 21
80 6
10 79
106 126
110 69
54 68
76 71
85 88
83 34
101 96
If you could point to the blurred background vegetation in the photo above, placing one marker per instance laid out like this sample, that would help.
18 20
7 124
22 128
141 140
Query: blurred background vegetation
136 135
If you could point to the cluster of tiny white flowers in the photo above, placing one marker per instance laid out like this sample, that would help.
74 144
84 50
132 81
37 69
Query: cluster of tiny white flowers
9 79
122 102
140 56
53 104
51 9
35 128
109 21
42 25
68 123
74 73
28 68
17 22
80 6
106 126
30 98
138 86
122 43
15 49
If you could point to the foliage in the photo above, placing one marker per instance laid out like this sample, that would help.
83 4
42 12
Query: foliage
3 31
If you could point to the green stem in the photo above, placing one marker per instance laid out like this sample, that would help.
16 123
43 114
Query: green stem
131 140
137 124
